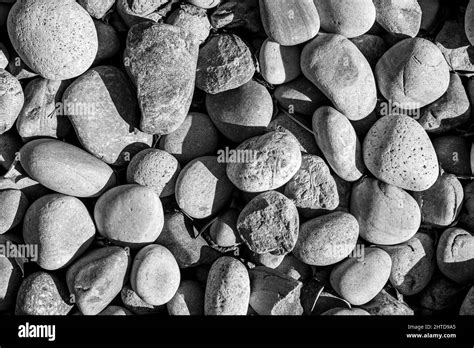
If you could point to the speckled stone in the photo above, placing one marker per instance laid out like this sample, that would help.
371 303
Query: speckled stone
398 151
56 38
11 100
42 293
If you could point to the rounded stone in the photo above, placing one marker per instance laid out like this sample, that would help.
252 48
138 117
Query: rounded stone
241 113
188 300
227 288
387 215
359 282
398 151
155 274
336 66
107 123
196 137
455 255
413 73
202 188
156 169
11 100
61 228
349 18
13 205
337 139
42 293
279 64
270 161
56 38
326 240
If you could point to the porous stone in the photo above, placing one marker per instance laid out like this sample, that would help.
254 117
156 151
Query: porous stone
11 100
55 48
97 8
42 293
156 169
398 151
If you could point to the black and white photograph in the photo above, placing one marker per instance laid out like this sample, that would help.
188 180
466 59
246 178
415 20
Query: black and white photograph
236 172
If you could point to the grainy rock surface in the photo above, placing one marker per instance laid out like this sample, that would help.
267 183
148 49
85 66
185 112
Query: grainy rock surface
269 223
162 61
313 186
13 204
55 48
228 288
399 17
225 62
11 100
398 151
42 293
274 158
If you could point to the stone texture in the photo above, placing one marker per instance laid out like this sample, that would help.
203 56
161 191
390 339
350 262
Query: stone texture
97 8
13 205
96 278
398 151
57 38
11 100
313 186
238 14
162 62
399 17
227 289
269 223
42 293
225 62
188 300
275 159
193 19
